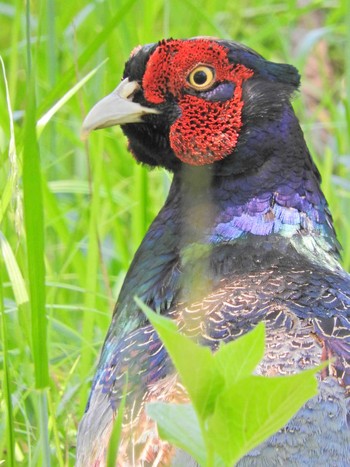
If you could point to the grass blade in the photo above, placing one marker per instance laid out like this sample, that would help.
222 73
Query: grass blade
117 430
14 272
86 55
12 179
10 433
42 122
34 227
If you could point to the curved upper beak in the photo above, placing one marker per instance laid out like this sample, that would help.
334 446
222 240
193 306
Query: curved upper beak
116 109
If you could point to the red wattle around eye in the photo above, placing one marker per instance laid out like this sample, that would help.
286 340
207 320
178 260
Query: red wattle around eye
207 130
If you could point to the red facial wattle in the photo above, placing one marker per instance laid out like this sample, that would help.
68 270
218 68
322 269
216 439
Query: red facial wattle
210 123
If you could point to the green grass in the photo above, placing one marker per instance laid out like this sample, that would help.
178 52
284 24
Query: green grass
89 203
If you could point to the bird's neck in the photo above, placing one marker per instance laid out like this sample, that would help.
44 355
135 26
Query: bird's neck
214 213
268 187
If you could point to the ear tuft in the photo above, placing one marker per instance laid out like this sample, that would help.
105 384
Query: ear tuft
270 71
283 73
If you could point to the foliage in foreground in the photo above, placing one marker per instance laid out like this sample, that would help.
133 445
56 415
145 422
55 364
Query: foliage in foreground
232 410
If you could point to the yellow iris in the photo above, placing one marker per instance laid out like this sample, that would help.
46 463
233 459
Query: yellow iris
201 77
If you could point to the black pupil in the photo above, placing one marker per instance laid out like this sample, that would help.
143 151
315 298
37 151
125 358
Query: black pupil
200 77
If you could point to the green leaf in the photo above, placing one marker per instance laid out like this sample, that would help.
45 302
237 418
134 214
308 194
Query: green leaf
250 411
178 424
239 358
194 363
235 410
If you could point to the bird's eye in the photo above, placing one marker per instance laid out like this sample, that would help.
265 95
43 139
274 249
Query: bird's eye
201 78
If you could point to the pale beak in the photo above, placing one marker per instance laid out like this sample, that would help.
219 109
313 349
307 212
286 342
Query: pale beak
116 109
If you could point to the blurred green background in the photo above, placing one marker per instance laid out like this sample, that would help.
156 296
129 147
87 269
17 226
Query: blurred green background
92 202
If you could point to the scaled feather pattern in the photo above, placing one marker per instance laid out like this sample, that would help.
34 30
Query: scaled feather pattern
245 236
